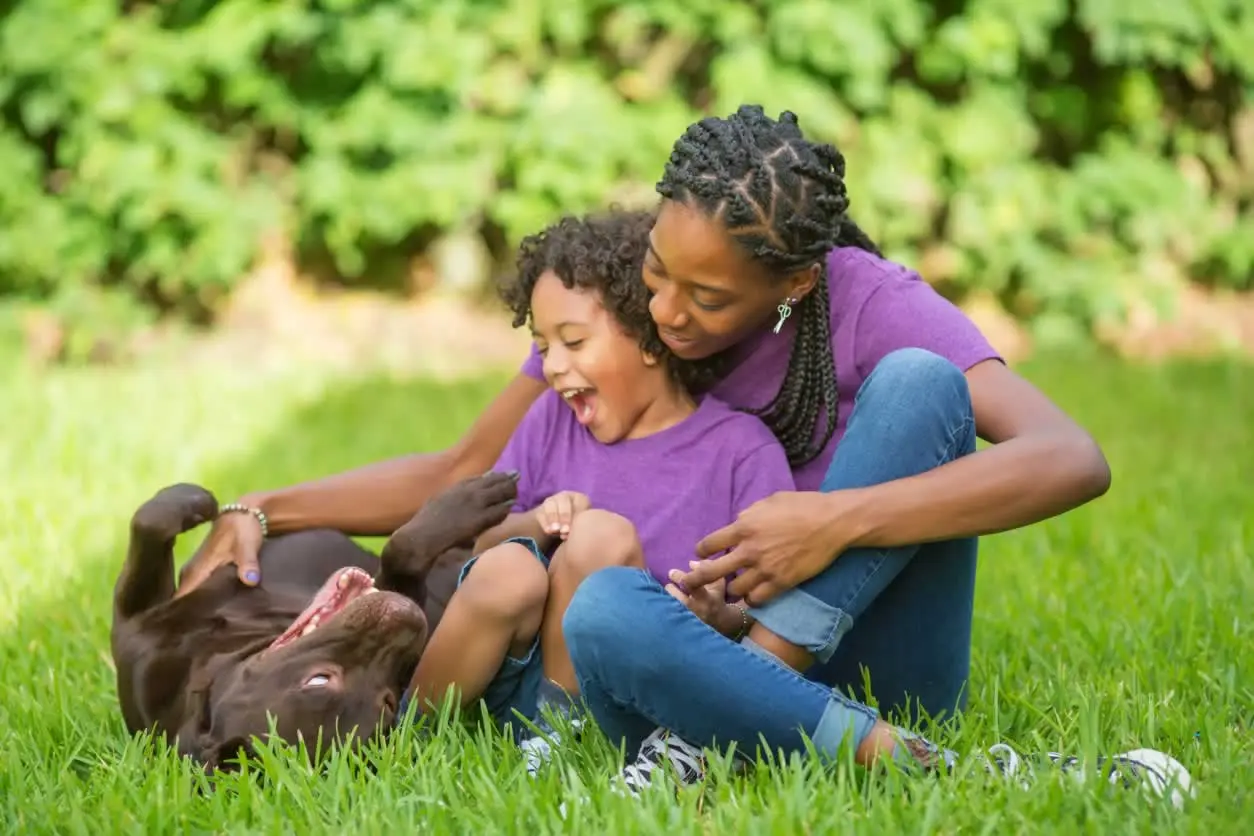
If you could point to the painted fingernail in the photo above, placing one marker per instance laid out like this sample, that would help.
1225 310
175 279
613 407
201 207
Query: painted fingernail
251 576
513 474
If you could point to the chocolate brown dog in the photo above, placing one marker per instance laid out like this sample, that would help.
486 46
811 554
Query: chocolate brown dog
326 643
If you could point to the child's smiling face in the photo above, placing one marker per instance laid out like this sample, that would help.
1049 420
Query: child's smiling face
612 385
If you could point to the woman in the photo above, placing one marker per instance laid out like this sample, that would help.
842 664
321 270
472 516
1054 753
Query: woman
876 386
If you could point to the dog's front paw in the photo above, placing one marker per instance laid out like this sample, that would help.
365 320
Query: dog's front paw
172 511
455 517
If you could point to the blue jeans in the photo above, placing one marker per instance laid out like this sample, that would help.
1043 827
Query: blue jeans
643 660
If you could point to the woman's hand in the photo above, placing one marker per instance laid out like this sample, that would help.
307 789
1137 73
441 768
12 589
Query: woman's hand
556 513
707 602
778 542
235 539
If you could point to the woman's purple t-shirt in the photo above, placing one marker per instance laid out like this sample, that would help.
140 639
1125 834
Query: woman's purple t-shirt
877 307
676 486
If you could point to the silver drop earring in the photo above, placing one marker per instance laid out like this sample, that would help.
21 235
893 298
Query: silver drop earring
785 311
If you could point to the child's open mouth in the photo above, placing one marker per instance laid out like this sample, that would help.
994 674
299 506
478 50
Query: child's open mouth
583 402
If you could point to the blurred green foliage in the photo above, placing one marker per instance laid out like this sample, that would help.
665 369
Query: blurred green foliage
1064 157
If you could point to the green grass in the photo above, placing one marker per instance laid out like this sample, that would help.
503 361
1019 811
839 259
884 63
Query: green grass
1126 623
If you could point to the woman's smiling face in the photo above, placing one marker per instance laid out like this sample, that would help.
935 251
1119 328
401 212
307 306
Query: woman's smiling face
708 294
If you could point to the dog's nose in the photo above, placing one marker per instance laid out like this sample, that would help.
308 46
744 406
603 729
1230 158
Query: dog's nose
388 703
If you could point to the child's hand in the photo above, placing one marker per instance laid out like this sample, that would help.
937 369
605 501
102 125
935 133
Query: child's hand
556 513
708 603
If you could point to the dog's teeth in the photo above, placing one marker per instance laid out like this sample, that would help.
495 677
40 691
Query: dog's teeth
309 628
370 592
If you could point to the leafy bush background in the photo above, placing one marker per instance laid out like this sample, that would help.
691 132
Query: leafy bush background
1064 157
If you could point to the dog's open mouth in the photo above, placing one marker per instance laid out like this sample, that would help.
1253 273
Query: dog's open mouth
341 589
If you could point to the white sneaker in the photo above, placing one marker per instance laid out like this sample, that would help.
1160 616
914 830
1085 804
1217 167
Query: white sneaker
658 749
538 749
1155 771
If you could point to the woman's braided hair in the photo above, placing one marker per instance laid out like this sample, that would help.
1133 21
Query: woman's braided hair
783 200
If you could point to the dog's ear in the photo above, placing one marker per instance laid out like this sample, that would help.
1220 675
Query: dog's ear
196 740
215 755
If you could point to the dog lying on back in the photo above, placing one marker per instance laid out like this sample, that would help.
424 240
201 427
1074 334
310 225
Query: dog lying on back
326 643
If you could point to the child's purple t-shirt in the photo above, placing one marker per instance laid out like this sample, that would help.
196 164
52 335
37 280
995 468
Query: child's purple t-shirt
675 486
877 307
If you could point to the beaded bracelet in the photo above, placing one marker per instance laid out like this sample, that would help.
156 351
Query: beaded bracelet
744 622
256 512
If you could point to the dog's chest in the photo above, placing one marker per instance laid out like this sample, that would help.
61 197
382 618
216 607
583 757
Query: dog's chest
271 607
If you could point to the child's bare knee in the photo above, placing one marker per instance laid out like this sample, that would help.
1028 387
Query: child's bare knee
506 582
599 539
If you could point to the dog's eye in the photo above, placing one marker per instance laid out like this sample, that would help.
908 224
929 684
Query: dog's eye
317 680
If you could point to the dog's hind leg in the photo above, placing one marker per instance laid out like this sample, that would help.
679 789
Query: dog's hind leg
147 578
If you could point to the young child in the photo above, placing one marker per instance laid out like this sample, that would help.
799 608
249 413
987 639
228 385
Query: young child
618 465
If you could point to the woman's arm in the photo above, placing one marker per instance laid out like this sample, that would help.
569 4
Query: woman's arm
379 498
1041 464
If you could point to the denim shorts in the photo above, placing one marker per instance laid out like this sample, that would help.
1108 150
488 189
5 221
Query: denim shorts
516 685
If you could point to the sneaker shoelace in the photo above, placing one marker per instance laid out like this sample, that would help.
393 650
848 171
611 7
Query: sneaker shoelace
657 749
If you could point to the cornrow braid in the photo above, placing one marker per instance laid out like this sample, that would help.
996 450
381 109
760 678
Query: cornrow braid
783 200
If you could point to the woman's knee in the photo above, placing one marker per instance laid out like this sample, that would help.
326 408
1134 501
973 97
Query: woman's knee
915 407
507 582
599 539
918 373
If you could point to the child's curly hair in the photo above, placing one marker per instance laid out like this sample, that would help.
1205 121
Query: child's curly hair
605 253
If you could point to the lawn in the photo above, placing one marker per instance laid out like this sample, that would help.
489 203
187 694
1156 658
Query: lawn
1120 625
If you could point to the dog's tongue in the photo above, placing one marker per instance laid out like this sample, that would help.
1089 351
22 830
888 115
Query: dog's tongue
344 586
